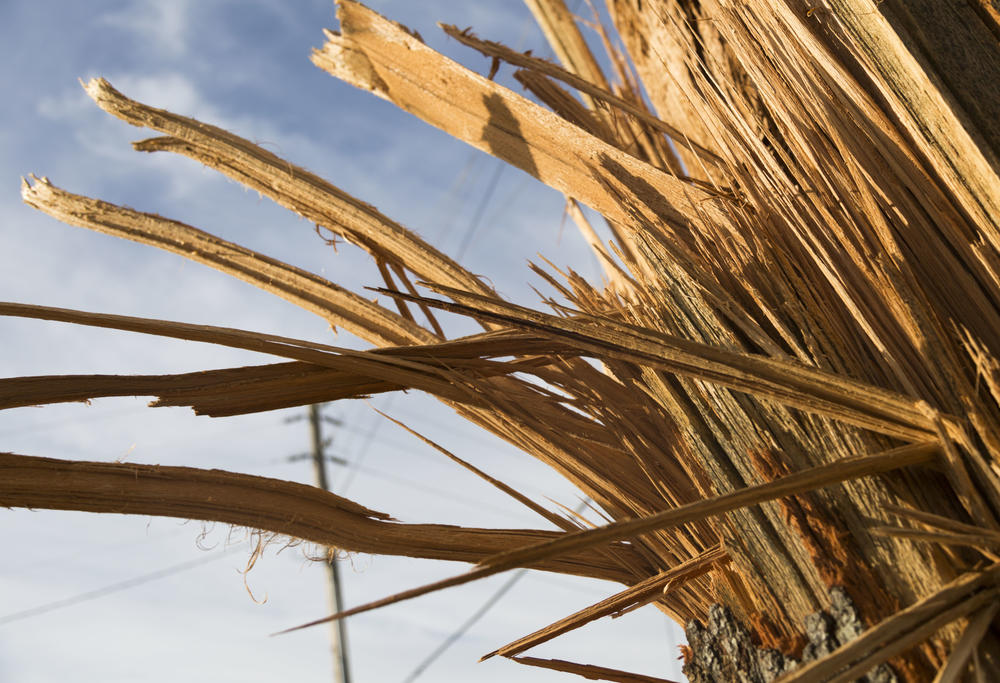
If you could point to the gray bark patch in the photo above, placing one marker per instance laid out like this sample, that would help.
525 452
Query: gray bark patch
723 652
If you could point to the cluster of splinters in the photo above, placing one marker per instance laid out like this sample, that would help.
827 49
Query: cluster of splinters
796 386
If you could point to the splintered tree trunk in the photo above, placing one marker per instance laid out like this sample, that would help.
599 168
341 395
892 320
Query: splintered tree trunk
933 67
793 430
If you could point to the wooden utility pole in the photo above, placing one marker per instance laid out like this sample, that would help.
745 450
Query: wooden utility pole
338 630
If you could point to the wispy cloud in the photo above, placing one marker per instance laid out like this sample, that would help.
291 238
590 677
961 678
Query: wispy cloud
105 137
162 24
166 90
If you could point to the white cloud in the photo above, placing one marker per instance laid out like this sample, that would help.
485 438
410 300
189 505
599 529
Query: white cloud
105 137
178 93
65 107
161 24
166 90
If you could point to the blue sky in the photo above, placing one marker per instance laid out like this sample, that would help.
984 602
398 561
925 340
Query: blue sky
244 65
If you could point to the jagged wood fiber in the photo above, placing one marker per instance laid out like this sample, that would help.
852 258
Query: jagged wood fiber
798 393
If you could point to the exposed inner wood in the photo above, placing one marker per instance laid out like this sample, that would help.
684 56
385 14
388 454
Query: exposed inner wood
804 267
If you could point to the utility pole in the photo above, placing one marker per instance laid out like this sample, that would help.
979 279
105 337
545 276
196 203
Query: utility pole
338 634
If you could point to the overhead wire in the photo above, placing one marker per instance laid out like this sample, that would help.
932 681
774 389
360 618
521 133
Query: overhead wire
366 445
114 587
92 550
355 467
465 626
470 232
475 616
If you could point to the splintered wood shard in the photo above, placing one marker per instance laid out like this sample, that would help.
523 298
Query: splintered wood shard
493 49
940 128
496 120
283 507
637 594
551 517
336 304
954 670
571 543
800 482
590 671
289 185
564 36
239 391
795 385
325 371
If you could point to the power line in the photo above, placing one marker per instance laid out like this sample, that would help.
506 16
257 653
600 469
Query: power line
113 588
91 550
476 616
444 493
480 210
449 199
355 466
466 625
